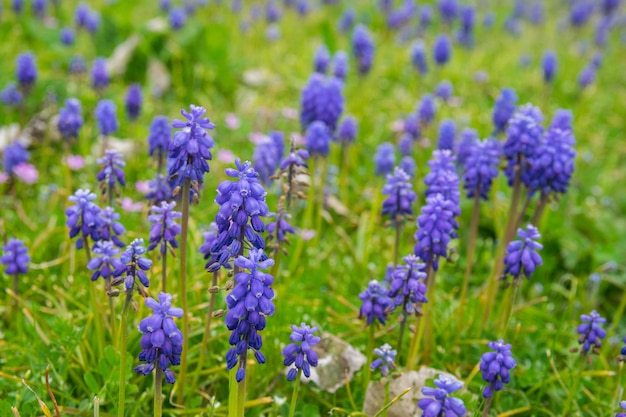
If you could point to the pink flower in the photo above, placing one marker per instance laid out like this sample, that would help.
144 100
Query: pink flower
130 205
307 234
298 139
26 173
256 137
3 177
143 187
290 113
225 156
232 121
75 162
397 126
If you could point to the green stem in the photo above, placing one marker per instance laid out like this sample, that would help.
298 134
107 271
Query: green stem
487 406
385 413
539 210
620 387
16 286
207 329
520 217
232 393
164 272
417 337
294 395
370 355
471 249
183 288
396 244
508 312
96 407
402 330
241 388
574 390
123 334
97 316
158 383
431 275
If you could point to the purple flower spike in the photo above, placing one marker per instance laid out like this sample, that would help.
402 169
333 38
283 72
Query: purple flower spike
318 139
522 257
376 303
83 217
442 50
348 130
14 155
159 189
449 10
111 173
77 65
481 168
15 257
160 136
437 227
363 49
427 109
340 65
191 148
134 264
99 74
266 158
106 117
444 90
442 403
162 342
105 263
622 405
443 179
177 18
249 303
346 20
524 137
322 100
549 65
68 37
398 204
386 359
418 57
26 72
468 138
11 96
321 60
164 227
70 119
495 367
591 332
407 288
504 108
447 134
300 353
133 101
110 228
385 158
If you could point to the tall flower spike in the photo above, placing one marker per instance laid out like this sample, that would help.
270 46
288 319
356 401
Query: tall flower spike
522 256
159 189
398 204
70 119
436 227
162 342
426 110
443 179
110 228
407 288
322 100
443 404
11 96
348 130
418 57
15 257
449 10
300 353
444 91
524 137
321 60
318 139
83 217
26 72
363 49
191 148
384 158
99 74
278 229
340 65
159 138
504 108
591 332
468 138
495 367
386 359
14 155
376 303
549 64
105 262
106 117
111 173
249 303
133 101
442 50
134 265
164 227
447 134
481 168
266 159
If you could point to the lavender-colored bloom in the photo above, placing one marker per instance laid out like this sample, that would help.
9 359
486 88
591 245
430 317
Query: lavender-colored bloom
400 16
134 264
165 5
384 158
437 227
495 367
277 230
318 139
622 404
524 137
522 256
242 205
447 134
363 49
322 100
386 359
133 101
191 147
106 117
105 262
412 126
418 57
449 9
408 165
160 136
443 404
442 50
400 196
266 160
295 159
111 172
376 304
14 155
70 119
83 217
465 35
77 65
347 130
602 31
26 72
272 12
300 353
160 189
346 20
481 168
99 74
15 257
340 65
209 238
443 179
591 331
536 13
177 18
303 7
162 342
11 96
580 12
109 228
81 15
425 17
407 288
249 303
17 6
405 144
278 139
562 120
67 36
164 227
321 60
587 76
444 90
549 65
427 109
93 22
464 148
512 25
504 108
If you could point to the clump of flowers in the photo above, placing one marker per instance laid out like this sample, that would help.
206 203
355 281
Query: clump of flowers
110 228
407 287
363 49
134 265
442 403
591 332
164 227
398 204
437 227
133 101
83 217
70 119
481 168
300 353
26 71
386 360
159 138
15 257
111 173
106 117
105 263
495 367
384 158
504 108
522 256
376 303
99 75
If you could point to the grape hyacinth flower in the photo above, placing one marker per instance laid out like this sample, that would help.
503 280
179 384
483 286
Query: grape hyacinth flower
321 60
162 342
11 96
340 65
17 6
384 158
134 265
437 227
587 76
26 71
418 57
622 405
408 165
83 217
111 174
68 37
347 130
191 148
159 138
443 404
580 12
468 138
412 126
465 36
426 110
99 75
77 65
70 119
449 10
110 229
164 228
504 108
266 160
400 196
321 100
447 134
524 137
425 18
405 144
177 18
249 303
443 179
318 139
346 20
522 257
549 65
481 168
159 189
442 50
278 229
376 303
14 155
105 263
386 359
106 117
444 90
133 101
495 367
407 287
15 257
300 353
591 332
363 49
